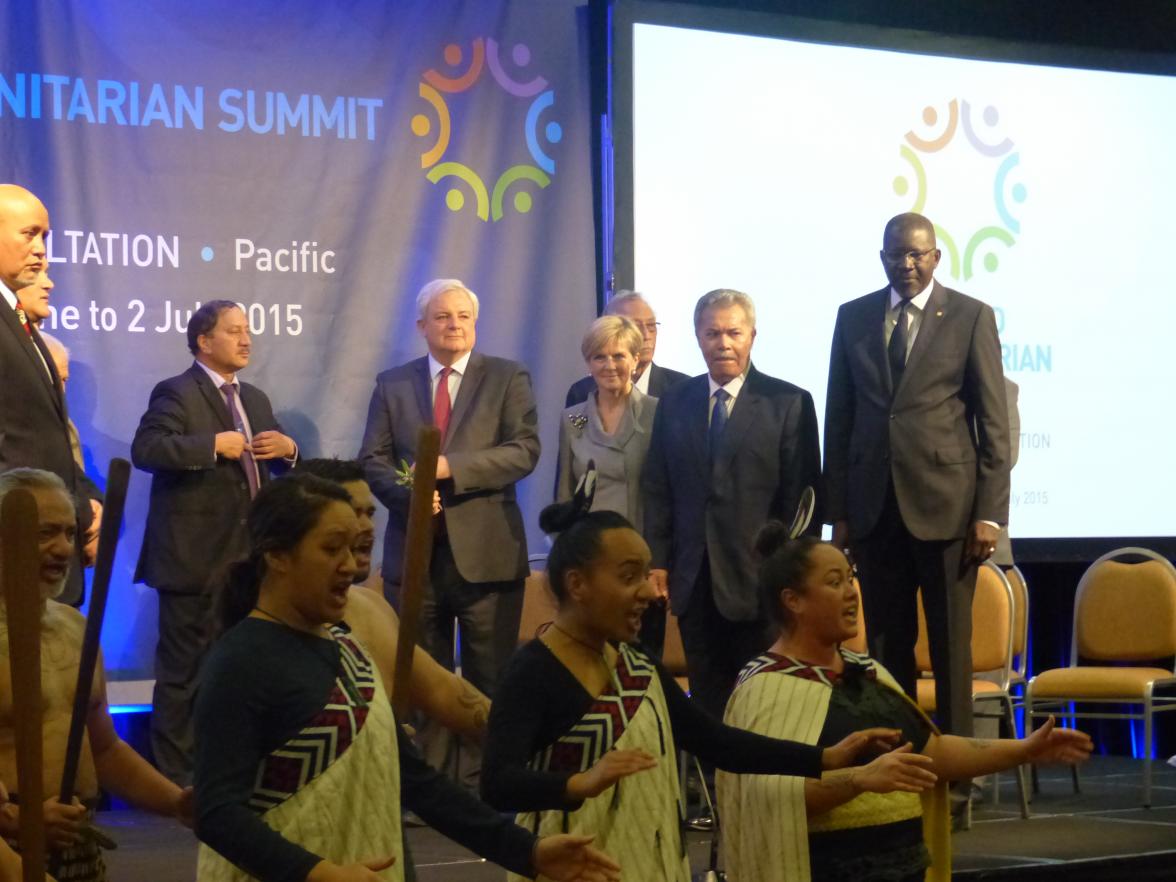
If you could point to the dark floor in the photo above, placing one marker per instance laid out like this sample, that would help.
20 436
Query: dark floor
1100 833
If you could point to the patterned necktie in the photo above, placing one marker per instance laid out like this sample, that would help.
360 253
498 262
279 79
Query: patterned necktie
718 421
442 406
247 462
23 318
896 352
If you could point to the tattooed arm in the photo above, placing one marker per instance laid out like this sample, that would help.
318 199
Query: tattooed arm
899 769
957 758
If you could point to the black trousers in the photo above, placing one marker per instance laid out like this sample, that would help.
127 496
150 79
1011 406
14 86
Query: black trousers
185 632
892 565
488 615
716 647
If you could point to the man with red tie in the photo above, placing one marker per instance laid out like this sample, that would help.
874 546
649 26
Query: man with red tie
34 420
209 442
485 410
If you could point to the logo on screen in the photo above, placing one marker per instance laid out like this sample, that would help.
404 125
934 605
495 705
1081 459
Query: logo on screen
467 188
963 169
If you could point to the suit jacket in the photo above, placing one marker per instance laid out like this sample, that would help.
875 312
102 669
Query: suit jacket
199 501
1003 556
768 454
491 443
619 457
34 423
942 437
660 381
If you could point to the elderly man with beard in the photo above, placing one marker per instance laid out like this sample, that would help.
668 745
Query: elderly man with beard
106 760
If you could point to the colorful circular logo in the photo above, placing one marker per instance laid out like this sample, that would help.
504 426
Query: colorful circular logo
997 158
486 202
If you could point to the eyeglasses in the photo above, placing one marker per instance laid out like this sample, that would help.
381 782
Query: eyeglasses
901 257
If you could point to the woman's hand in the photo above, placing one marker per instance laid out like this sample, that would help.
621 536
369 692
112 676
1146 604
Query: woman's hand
567 858
901 769
610 768
366 871
865 741
1052 745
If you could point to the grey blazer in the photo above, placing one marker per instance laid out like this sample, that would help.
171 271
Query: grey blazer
492 442
942 436
619 457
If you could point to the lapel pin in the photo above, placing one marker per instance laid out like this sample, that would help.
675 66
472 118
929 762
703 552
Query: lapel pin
939 313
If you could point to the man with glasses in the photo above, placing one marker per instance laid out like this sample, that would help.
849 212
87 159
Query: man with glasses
651 379
917 459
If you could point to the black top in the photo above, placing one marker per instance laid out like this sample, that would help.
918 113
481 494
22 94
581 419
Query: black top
261 684
538 700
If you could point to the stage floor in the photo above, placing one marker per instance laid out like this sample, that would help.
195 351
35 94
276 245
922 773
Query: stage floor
1100 833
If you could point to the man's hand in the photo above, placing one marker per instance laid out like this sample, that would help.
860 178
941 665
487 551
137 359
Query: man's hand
230 445
840 539
659 580
845 751
436 502
981 541
606 771
272 445
63 823
443 471
567 858
90 540
1051 745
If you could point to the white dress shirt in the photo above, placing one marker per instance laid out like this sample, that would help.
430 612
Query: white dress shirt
732 388
457 371
642 382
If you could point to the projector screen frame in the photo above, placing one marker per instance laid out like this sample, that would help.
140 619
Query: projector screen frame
626 14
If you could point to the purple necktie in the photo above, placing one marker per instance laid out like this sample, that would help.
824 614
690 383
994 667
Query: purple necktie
247 462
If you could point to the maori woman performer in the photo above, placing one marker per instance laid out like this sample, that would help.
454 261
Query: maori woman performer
584 726
300 766
880 820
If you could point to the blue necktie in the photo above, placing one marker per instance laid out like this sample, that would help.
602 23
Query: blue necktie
718 421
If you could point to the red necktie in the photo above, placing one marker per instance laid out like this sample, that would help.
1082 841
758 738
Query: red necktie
442 406
247 461
23 318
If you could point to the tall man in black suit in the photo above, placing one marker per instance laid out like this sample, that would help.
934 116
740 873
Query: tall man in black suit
485 409
917 459
730 450
651 379
34 420
209 442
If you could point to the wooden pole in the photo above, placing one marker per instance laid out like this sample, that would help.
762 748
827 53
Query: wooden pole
119 476
418 548
20 572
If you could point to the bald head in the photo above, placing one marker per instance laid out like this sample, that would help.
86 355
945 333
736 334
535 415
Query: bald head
24 222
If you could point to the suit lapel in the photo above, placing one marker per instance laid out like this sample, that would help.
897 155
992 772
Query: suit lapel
872 338
928 326
422 384
656 378
33 353
696 402
743 415
213 396
466 393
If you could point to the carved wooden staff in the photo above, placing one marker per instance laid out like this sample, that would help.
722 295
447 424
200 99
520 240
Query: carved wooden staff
119 477
418 547
20 571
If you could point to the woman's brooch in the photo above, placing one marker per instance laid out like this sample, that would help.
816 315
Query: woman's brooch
579 420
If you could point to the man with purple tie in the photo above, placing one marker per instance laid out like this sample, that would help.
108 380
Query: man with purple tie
485 410
209 442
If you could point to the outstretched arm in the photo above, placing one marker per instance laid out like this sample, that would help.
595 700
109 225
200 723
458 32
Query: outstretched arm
956 758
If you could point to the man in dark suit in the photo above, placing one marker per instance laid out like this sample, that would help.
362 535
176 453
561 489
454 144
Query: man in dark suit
34 420
730 450
651 379
917 459
209 442
485 410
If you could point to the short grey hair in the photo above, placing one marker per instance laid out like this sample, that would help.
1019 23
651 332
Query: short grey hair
622 297
436 288
723 297
610 328
31 479
56 348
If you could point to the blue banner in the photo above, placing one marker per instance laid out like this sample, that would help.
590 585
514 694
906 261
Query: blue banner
317 163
